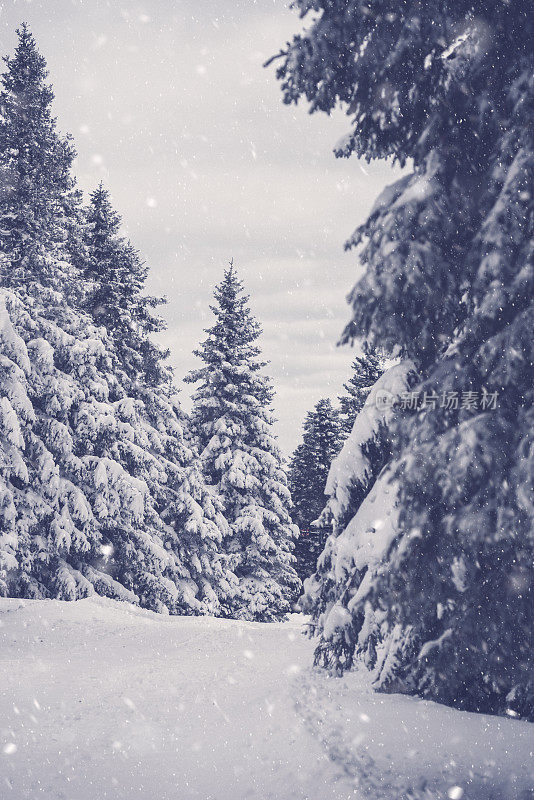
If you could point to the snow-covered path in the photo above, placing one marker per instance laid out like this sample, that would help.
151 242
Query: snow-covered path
102 700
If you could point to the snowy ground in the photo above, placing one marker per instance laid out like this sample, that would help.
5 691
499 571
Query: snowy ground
102 701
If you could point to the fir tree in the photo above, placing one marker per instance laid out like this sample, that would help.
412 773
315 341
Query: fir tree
359 512
37 192
97 490
241 460
308 471
117 276
366 371
190 514
449 282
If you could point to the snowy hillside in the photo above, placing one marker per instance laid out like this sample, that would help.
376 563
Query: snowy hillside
103 701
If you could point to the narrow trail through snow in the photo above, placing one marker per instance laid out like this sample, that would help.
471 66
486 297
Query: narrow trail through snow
101 701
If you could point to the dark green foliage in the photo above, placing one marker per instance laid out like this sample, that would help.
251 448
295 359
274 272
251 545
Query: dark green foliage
116 278
37 196
233 423
366 371
308 470
449 281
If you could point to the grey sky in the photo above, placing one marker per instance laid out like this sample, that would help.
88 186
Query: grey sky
169 105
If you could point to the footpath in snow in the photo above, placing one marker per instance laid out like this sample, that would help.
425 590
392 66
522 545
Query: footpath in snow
102 701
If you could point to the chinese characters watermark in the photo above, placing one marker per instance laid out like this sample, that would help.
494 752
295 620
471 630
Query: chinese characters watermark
448 400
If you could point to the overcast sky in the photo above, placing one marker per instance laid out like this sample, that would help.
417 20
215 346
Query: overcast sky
169 105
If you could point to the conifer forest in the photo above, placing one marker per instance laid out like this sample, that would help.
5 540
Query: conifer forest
267 400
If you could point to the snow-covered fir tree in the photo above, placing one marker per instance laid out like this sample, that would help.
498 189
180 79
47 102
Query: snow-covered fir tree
322 439
358 512
240 456
366 370
81 457
115 296
190 514
449 280
37 192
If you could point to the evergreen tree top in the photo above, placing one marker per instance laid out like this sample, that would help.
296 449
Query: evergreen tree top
232 390
232 305
366 371
26 70
322 410
322 439
38 200
231 286
101 213
232 339
117 276
321 430
112 252
25 104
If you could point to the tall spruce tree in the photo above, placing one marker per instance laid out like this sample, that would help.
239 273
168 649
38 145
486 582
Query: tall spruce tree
233 424
44 514
366 370
308 470
360 508
115 297
38 198
80 456
449 282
